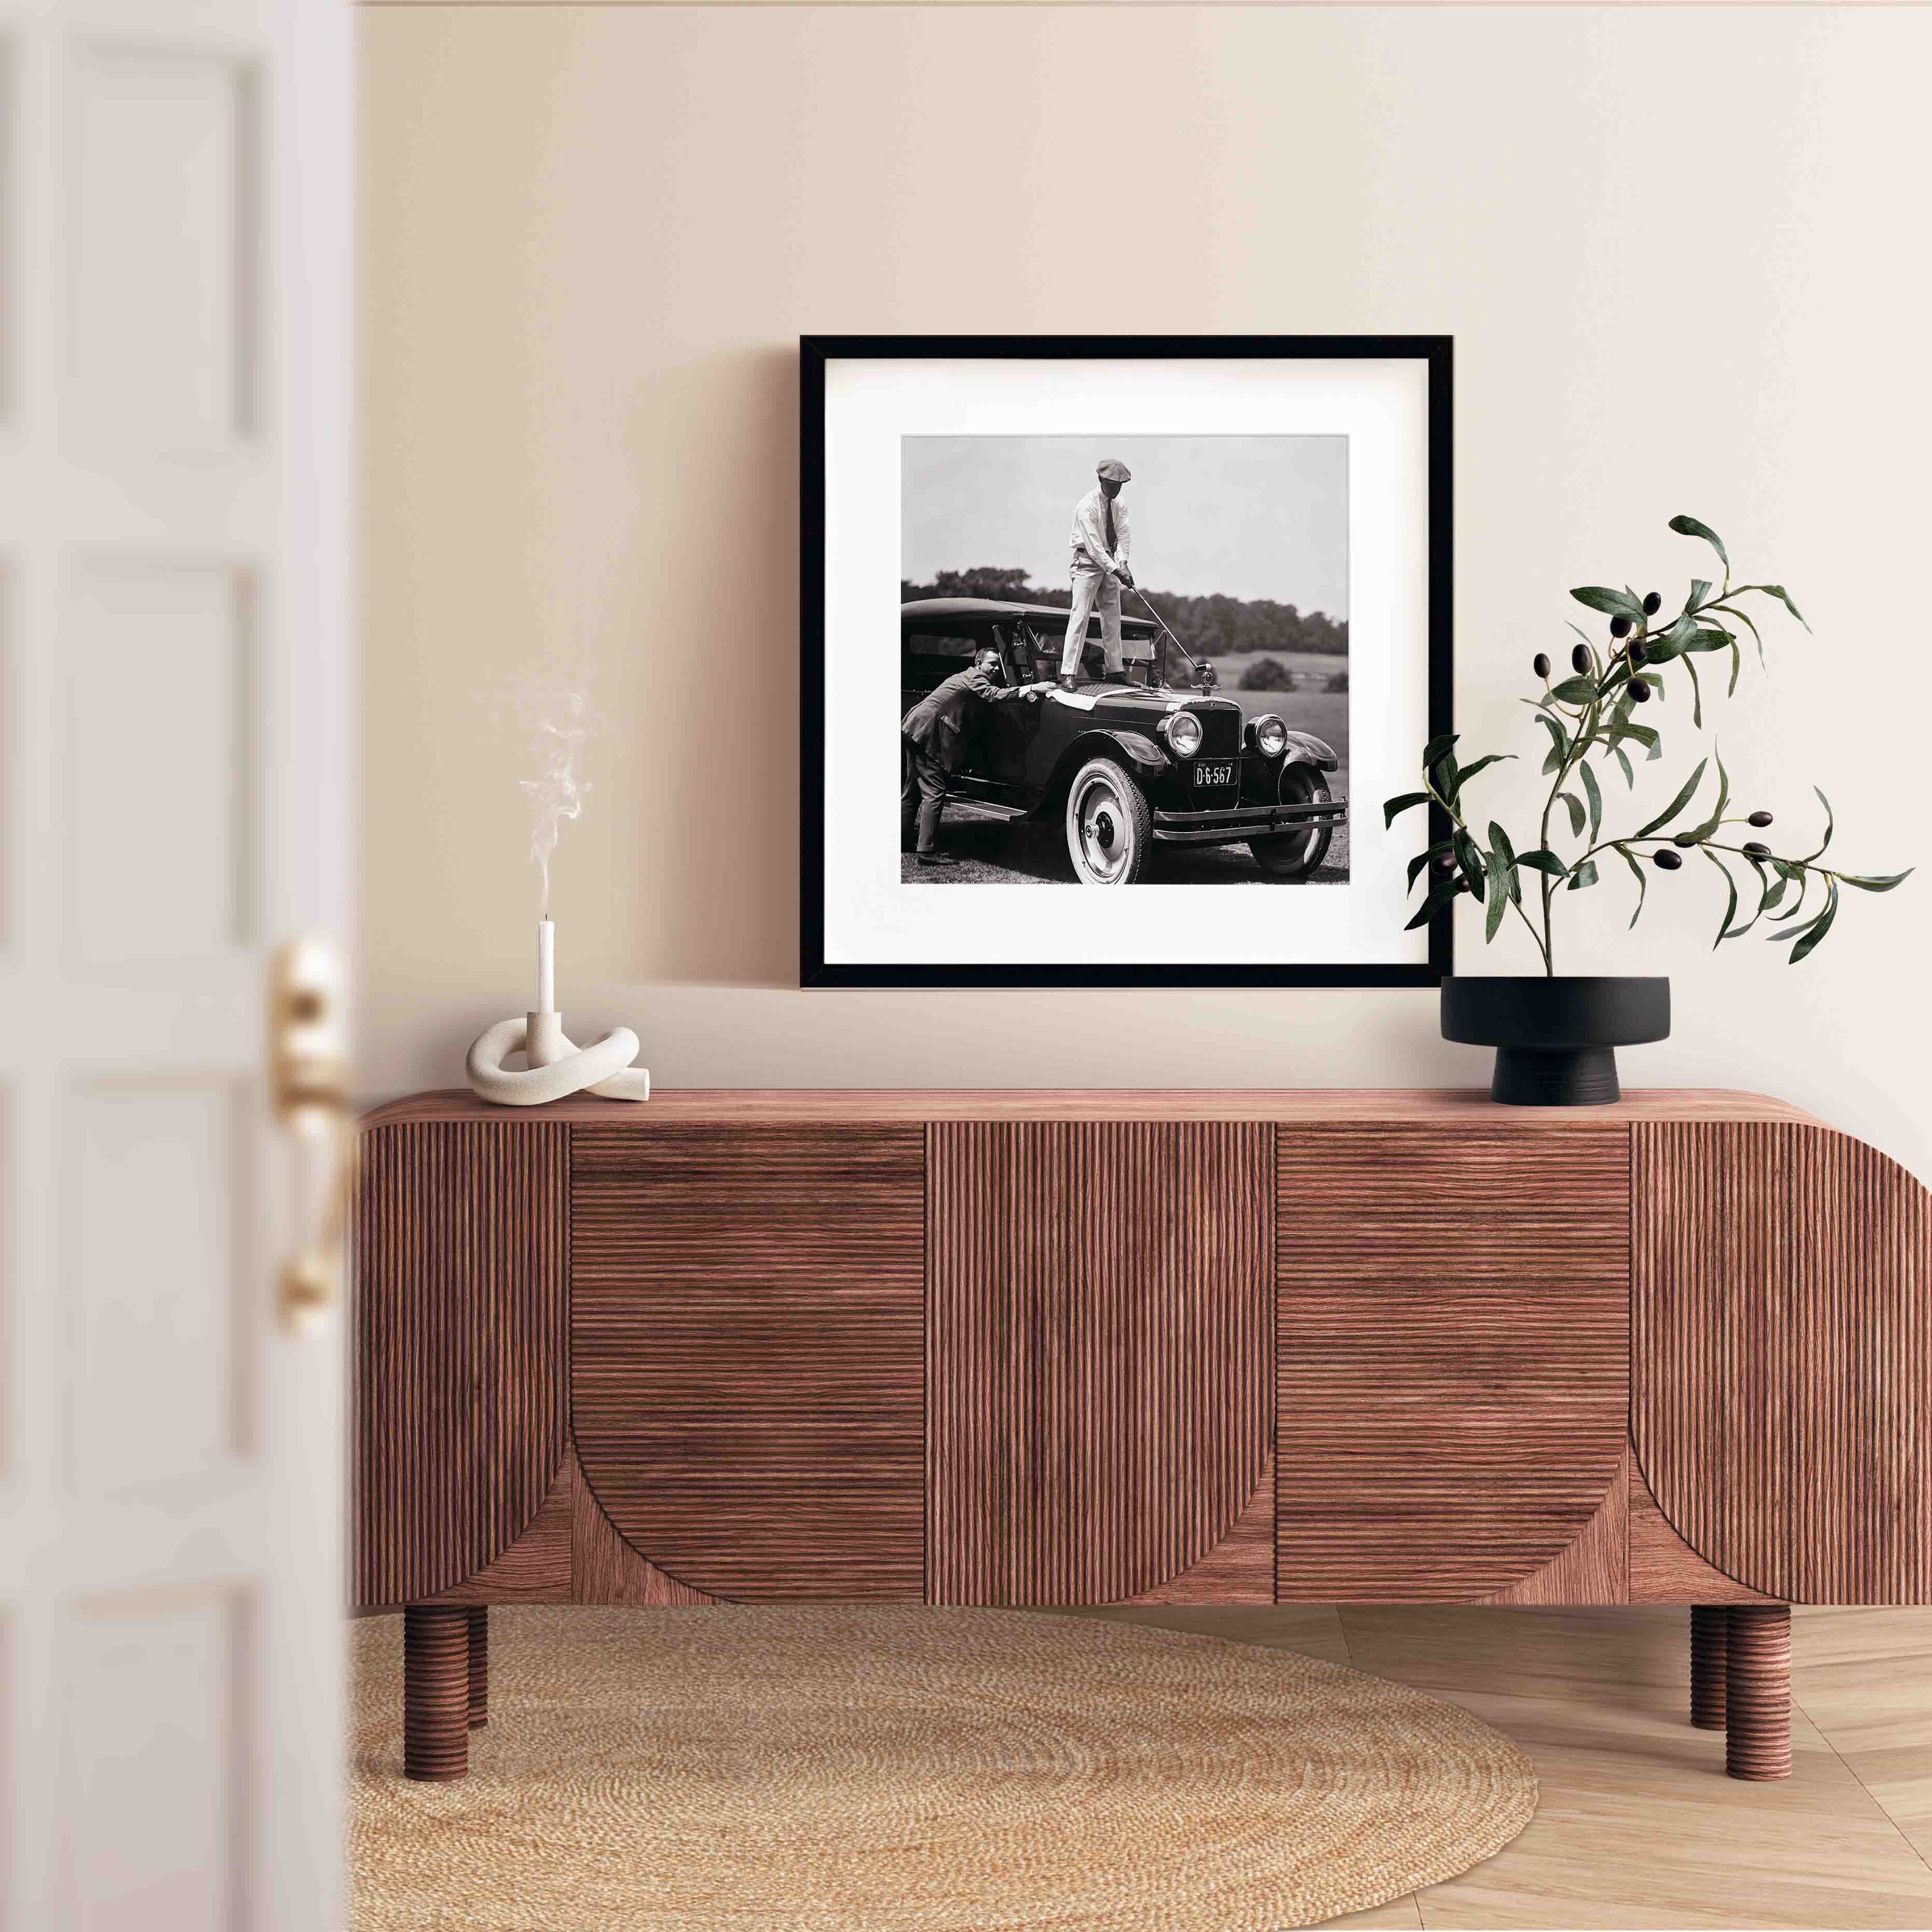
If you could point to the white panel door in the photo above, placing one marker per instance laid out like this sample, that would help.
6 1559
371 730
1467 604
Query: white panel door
176 298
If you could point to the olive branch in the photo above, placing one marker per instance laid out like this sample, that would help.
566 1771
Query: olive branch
1593 711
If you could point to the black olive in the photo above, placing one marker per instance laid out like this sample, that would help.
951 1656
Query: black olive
1445 862
1666 860
1758 818
1640 691
1620 627
1579 660
1652 605
1540 663
1756 848
1635 647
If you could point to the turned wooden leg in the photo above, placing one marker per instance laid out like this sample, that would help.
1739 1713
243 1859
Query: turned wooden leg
1710 1639
1757 1733
479 1666
436 1691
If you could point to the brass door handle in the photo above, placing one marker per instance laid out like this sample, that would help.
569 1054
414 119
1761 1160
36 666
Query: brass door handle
308 1078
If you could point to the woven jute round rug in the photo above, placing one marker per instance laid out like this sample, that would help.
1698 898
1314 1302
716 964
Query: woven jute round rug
828 1768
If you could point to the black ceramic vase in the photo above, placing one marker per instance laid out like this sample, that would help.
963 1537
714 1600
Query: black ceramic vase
1556 1040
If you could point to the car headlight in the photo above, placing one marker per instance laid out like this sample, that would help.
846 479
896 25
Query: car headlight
1270 735
1182 730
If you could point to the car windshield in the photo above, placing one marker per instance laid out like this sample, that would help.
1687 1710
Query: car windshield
1034 647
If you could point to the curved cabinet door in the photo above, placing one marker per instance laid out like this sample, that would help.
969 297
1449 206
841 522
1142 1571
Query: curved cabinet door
1782 1407
1454 1373
1102 1341
747 1351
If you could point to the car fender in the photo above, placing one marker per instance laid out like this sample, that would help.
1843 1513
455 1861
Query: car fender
1143 759
1305 749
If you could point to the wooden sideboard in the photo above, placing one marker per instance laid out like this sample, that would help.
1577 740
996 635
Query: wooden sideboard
1033 1348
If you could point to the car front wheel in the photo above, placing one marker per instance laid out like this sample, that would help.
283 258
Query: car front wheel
1109 827
1294 855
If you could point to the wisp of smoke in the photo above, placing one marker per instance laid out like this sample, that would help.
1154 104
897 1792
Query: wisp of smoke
556 720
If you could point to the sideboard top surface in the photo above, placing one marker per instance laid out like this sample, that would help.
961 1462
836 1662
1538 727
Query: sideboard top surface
749 1106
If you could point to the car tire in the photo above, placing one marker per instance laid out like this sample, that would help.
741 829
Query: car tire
1294 855
1109 827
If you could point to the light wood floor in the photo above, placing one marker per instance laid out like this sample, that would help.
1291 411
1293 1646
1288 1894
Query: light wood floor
1637 1824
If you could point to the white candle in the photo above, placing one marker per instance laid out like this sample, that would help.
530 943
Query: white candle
546 965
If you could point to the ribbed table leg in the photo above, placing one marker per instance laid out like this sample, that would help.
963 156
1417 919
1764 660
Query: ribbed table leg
479 1666
436 1691
1710 1639
1757 1735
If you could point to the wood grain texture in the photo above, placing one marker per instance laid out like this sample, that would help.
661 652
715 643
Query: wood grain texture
805 1106
1454 1353
1710 1646
536 1568
459 1387
1239 1570
604 1569
747 1351
1757 1691
1595 1569
1663 1568
1782 1357
436 1692
479 1666
1101 1334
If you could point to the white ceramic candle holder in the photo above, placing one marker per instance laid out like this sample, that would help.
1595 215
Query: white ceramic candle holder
553 1063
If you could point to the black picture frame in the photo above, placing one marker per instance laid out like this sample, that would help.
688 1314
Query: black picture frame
815 352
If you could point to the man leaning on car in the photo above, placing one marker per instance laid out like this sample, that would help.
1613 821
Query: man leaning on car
934 736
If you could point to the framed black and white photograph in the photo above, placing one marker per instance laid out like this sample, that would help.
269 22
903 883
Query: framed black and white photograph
1165 614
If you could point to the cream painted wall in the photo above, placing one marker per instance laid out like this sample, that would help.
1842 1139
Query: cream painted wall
1683 255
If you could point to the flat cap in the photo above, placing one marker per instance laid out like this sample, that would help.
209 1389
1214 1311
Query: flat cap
1113 471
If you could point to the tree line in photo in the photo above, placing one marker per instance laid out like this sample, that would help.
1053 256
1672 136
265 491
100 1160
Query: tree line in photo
1209 626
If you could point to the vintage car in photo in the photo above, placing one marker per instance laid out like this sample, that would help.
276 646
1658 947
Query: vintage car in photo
1151 756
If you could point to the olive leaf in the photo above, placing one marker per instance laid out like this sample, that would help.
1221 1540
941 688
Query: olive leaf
1422 858
1731 908
1642 880
1677 804
1717 818
1696 698
1583 875
1469 862
1615 603
1542 861
1596 799
1576 806
1830 824
1499 899
1499 844
1878 882
1442 896
1559 744
1689 527
1394 808
1574 691
1783 596
1492 758
1743 617
1630 770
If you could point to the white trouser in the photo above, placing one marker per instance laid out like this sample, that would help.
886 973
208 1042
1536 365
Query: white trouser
1092 590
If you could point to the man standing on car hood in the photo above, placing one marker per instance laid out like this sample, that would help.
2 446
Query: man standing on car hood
1100 542
933 743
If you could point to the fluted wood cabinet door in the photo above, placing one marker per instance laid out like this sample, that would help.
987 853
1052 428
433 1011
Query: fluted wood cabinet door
1453 1376
747 1352
1101 1340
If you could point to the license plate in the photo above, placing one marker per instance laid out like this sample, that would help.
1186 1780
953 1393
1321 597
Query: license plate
1214 772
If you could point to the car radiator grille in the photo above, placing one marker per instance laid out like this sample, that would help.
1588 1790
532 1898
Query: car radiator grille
1220 729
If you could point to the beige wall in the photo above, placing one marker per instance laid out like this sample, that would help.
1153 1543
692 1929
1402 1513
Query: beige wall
1683 253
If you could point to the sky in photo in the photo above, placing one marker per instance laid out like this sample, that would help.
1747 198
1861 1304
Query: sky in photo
1245 516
